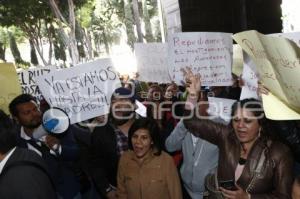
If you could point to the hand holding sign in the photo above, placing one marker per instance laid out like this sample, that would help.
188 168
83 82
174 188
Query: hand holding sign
193 82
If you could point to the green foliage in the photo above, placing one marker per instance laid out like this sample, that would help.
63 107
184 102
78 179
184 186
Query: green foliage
59 48
15 52
105 23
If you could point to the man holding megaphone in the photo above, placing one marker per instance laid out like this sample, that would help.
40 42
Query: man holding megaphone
40 134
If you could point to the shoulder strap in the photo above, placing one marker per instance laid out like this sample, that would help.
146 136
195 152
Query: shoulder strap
28 163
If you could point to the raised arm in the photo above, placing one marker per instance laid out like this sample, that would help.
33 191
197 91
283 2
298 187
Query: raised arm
175 139
196 119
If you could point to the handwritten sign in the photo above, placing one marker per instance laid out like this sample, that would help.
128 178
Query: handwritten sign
83 91
10 87
250 78
209 54
28 82
152 62
220 107
277 61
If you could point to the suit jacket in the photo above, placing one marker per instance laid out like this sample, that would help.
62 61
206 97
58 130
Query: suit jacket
104 158
61 167
25 181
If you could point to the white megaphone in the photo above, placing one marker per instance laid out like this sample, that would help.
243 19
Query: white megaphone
54 121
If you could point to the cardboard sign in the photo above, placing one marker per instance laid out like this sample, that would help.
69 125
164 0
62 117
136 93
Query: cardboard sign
209 54
83 91
10 87
28 82
152 62
277 61
250 78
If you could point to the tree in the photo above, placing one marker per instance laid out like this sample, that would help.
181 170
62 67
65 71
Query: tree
136 16
67 27
4 42
146 17
15 51
33 57
106 24
129 25
31 16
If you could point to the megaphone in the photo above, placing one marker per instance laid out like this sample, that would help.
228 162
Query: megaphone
54 121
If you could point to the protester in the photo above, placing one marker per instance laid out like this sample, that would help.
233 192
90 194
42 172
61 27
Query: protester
145 171
251 164
23 174
199 159
58 153
110 141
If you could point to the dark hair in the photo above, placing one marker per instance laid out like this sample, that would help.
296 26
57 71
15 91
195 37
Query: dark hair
7 133
297 179
154 132
254 106
23 98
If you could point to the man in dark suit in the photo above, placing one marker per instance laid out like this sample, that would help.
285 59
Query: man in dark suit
110 141
23 173
59 154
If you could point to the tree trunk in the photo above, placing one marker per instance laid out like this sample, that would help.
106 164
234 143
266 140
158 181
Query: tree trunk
148 29
106 43
136 16
129 24
33 57
69 40
2 52
74 50
89 46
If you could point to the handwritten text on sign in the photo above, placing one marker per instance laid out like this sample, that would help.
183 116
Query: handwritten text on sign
250 78
277 62
209 54
28 83
152 62
83 91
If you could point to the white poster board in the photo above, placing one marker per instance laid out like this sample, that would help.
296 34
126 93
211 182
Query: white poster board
83 91
27 80
209 54
250 78
220 107
152 62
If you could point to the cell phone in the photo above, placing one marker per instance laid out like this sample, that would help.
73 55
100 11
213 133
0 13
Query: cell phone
228 184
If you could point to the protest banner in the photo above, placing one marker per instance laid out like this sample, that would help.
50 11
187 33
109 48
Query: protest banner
152 62
83 91
209 54
10 86
277 62
27 80
220 107
250 79
237 64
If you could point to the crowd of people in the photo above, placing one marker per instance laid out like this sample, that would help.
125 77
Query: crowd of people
175 151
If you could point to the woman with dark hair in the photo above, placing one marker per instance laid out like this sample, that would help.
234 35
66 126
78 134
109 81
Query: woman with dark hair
251 164
145 171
